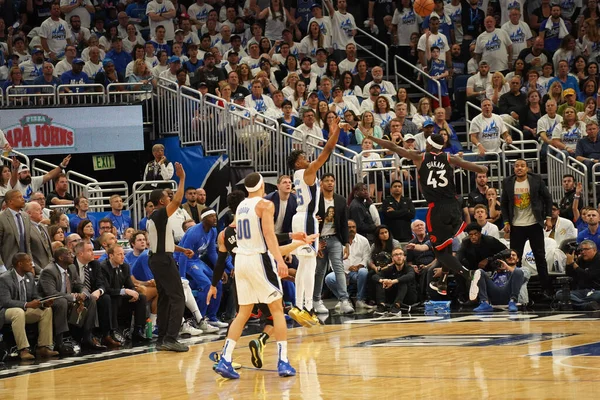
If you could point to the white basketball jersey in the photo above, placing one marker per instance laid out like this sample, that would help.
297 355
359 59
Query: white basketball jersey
307 196
250 239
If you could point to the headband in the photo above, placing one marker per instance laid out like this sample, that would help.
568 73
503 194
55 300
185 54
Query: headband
207 213
434 144
255 187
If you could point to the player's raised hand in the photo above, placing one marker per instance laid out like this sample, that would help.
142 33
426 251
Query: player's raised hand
334 126
179 171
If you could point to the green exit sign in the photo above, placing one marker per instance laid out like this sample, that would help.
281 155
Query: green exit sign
104 161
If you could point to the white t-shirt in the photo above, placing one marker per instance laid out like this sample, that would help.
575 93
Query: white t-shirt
30 70
61 67
570 136
440 40
328 226
347 65
274 26
56 34
455 14
92 69
407 22
360 253
549 125
81 11
506 6
199 13
342 27
479 83
324 25
158 8
519 35
489 131
522 203
309 46
493 47
34 186
303 131
490 229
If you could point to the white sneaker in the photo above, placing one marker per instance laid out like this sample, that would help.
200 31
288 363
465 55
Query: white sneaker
338 305
346 308
474 289
320 308
189 329
207 328
218 324
361 304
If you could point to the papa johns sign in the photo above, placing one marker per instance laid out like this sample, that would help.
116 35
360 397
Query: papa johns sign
37 131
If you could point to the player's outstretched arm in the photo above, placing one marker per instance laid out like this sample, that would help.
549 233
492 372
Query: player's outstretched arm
266 212
459 162
402 152
288 248
219 267
334 133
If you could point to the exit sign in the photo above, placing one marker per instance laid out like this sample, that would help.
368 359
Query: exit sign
104 161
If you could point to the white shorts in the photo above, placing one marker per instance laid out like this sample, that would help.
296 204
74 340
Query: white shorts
303 222
256 279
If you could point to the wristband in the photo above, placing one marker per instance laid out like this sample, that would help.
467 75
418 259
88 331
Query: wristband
576 196
62 166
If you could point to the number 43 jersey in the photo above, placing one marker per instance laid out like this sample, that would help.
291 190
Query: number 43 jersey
250 238
436 177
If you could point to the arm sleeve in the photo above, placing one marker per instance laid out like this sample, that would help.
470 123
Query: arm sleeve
220 267
211 251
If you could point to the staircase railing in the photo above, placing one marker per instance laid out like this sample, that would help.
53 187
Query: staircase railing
383 60
413 84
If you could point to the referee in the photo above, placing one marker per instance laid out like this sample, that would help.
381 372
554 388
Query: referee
171 300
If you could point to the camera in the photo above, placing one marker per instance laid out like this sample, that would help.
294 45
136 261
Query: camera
570 247
494 261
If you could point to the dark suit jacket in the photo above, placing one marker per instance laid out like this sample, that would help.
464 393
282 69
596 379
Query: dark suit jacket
9 237
400 218
470 255
340 219
290 209
41 252
97 280
116 278
9 292
50 283
541 201
359 213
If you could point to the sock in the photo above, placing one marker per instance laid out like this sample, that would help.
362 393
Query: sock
282 351
310 264
263 338
198 316
190 303
227 352
153 319
299 280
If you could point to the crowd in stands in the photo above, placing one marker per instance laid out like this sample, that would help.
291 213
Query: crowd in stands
529 65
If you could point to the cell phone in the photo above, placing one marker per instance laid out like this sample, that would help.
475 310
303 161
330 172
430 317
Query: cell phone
16 25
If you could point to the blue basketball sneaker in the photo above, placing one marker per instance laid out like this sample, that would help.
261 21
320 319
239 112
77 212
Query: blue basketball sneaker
225 369
512 306
484 307
285 369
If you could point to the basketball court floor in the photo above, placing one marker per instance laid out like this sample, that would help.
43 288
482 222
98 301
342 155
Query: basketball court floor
466 356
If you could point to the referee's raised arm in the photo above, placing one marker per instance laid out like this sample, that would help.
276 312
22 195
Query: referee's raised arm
176 202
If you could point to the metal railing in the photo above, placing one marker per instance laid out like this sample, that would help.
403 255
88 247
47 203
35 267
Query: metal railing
31 98
529 150
580 171
99 194
557 168
78 183
169 101
81 94
7 158
40 168
424 74
383 60
596 183
140 194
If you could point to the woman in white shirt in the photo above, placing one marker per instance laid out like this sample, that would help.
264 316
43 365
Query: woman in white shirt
348 86
291 81
368 160
572 130
132 38
383 114
300 95
313 40
402 97
496 88
423 112
276 17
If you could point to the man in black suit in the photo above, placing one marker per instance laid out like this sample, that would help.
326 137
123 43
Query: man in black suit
20 305
120 288
333 244
526 209
92 279
41 250
61 278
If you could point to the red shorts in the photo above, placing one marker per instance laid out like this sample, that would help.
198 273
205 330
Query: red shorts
445 102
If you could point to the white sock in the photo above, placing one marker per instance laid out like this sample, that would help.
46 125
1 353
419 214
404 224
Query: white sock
227 352
282 351
198 316
299 280
153 319
190 303
310 265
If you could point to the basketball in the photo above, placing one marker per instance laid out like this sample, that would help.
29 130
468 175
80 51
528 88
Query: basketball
423 7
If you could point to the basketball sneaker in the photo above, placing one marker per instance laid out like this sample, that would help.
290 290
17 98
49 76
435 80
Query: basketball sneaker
206 327
299 316
285 369
225 369
360 304
346 307
215 356
440 286
256 352
313 319
320 308
474 290
188 329
219 324
512 306
484 307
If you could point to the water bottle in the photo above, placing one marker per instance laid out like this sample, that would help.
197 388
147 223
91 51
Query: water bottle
437 307
148 329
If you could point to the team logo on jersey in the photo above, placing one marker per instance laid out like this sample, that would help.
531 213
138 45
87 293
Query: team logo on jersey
433 238
409 18
490 131
513 5
493 44
518 36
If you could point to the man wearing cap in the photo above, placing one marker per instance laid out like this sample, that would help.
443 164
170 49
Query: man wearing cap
119 57
22 181
421 137
494 46
33 67
477 83
109 74
570 97
236 45
288 38
210 74
313 101
171 73
55 34
307 76
75 76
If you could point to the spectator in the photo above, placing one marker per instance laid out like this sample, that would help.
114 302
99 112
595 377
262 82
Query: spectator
120 221
566 81
536 56
119 56
497 88
349 63
550 123
566 202
481 217
419 254
512 102
478 83
358 211
94 64
20 304
333 245
285 204
210 74
562 228
477 249
553 29
587 149
85 229
437 39
585 270
82 207
355 266
162 13
370 160
398 212
494 46
308 127
424 112
526 208
571 101
343 28
487 129
159 169
15 229
396 281
55 34
109 75
148 209
191 205
60 194
591 232
438 70
33 68
504 284
518 31
421 137
571 131
46 78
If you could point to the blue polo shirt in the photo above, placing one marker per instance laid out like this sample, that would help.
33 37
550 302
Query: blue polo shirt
587 148
586 235
120 59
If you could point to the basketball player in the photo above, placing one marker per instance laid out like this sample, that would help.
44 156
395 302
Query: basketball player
444 217
227 242
308 194
258 269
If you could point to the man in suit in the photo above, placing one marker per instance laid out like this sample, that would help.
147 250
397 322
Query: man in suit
40 242
191 205
20 305
61 278
92 279
285 205
120 288
333 244
15 229
527 209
